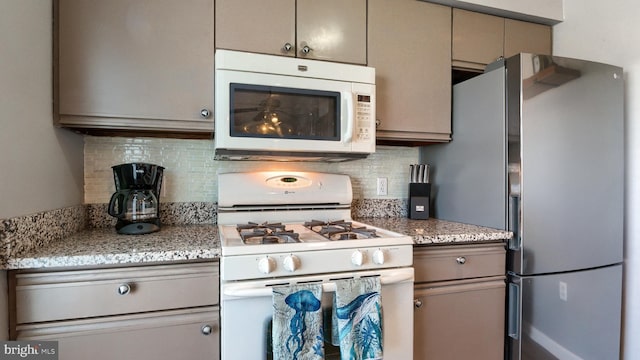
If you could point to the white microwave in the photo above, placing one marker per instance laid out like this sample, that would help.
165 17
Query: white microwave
280 108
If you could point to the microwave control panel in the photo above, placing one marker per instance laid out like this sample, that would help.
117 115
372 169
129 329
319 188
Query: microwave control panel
364 130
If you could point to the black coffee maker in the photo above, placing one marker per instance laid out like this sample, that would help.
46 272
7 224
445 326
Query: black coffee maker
136 201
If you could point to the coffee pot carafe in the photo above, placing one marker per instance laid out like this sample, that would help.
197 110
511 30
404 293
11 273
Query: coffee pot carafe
136 202
134 205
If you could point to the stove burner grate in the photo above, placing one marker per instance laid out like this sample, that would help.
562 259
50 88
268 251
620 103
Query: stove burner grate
340 230
266 233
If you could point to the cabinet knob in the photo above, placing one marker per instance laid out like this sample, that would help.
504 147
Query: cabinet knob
206 329
205 113
378 122
306 49
124 289
287 47
461 260
417 303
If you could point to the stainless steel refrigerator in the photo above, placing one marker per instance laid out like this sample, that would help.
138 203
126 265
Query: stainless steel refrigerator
538 149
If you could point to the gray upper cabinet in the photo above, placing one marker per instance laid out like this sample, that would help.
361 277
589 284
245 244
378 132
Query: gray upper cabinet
409 44
479 39
521 36
332 30
135 64
267 27
476 39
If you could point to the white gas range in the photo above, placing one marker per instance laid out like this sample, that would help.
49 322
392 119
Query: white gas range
295 223
295 227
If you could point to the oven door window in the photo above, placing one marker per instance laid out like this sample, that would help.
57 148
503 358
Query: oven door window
278 112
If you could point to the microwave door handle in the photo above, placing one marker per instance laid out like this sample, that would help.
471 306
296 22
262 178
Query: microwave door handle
351 122
260 291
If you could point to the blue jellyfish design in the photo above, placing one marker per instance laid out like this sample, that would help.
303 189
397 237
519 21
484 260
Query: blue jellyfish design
302 302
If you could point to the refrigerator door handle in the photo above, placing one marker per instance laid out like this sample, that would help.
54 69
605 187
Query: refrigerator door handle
513 315
514 222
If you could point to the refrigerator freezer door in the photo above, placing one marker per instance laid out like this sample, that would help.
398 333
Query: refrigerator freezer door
572 315
566 141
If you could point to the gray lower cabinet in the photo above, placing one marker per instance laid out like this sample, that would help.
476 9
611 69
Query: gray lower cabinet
459 302
147 312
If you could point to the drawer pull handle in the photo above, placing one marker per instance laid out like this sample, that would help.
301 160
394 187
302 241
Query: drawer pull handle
417 303
207 329
124 289
461 260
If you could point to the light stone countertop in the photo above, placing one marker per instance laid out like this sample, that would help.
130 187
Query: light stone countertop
104 246
434 231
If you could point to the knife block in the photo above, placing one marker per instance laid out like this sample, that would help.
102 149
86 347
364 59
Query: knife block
419 194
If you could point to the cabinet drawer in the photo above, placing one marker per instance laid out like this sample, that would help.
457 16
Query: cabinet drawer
458 262
179 334
90 293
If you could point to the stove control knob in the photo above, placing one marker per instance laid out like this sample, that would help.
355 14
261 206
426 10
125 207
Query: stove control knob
291 263
357 258
378 257
266 265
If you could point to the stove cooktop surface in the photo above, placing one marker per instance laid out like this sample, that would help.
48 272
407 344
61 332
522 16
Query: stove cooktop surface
273 237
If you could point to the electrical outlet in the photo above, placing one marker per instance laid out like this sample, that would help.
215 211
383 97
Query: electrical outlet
383 187
563 290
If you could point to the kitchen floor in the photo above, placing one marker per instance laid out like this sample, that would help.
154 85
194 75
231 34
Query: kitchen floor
535 351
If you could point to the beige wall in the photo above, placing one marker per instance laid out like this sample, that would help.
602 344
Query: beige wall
40 167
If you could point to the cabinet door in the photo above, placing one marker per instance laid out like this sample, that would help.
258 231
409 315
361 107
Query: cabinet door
185 334
144 64
477 39
334 30
412 57
521 36
460 320
256 26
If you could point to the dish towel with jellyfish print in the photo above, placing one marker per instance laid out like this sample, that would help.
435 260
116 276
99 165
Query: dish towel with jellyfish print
297 322
358 309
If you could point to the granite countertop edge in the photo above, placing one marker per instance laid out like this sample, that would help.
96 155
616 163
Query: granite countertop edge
104 246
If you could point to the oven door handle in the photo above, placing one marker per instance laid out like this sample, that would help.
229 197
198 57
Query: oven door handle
330 286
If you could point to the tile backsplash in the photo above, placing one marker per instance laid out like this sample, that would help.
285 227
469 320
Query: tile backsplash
191 173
